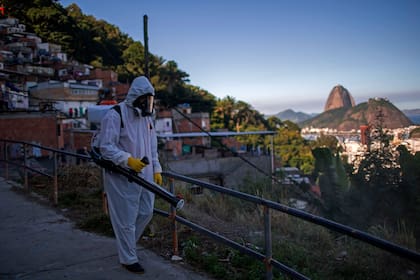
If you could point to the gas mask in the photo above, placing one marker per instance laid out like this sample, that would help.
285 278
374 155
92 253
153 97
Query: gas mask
145 104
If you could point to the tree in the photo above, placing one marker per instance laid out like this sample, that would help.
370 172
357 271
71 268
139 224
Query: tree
331 143
223 113
43 17
375 196
274 123
291 126
331 190
171 76
133 66
292 149
201 100
379 166
410 186
252 140
327 141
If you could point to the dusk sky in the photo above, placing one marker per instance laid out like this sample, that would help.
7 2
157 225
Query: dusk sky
281 54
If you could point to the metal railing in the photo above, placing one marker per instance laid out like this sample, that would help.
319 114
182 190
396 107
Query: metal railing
22 161
268 205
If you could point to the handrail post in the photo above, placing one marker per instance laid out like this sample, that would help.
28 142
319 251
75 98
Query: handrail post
174 223
55 176
6 160
273 170
25 170
268 245
104 197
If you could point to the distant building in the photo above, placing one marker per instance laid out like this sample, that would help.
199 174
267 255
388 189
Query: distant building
364 134
169 122
413 145
109 80
195 122
13 100
71 99
353 150
164 125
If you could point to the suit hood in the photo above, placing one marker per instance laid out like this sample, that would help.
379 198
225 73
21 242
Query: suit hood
140 86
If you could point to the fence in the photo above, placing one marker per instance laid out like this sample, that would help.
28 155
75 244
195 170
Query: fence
21 158
267 205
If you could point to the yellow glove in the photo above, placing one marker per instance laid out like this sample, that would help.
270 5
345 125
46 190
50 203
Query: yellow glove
136 164
157 177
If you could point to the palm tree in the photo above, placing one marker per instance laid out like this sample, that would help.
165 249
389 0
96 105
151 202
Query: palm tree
243 114
171 76
224 112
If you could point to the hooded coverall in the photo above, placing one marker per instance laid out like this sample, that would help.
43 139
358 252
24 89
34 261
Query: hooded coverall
130 205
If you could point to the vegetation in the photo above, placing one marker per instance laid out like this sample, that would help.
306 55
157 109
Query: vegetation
312 250
235 115
380 188
292 149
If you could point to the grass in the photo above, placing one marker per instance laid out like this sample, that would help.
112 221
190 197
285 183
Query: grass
311 250
79 196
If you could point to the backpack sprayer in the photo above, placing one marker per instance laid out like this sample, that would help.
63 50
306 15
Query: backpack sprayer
95 114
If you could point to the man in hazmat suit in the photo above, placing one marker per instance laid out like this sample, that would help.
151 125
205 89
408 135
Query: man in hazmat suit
125 140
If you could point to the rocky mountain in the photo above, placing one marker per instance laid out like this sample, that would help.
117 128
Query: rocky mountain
339 97
293 116
365 113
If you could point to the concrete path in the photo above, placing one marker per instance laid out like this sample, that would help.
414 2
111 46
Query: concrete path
36 242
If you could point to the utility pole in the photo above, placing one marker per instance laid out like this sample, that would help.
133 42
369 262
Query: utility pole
146 48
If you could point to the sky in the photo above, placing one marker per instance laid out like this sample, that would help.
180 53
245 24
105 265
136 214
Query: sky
281 54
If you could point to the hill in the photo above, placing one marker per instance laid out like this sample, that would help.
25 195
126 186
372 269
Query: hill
346 119
293 116
87 40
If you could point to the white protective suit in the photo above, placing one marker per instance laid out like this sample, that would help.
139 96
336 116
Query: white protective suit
130 205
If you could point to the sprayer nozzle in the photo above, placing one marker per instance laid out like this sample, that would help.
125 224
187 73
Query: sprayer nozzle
145 160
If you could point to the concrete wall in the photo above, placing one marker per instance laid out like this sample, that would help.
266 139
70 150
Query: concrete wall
78 139
229 171
41 128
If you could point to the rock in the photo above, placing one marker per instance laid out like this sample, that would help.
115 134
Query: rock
341 256
339 97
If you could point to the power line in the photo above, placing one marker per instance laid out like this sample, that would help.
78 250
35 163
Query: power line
236 154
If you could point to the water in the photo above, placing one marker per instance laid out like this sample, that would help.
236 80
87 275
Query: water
415 119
